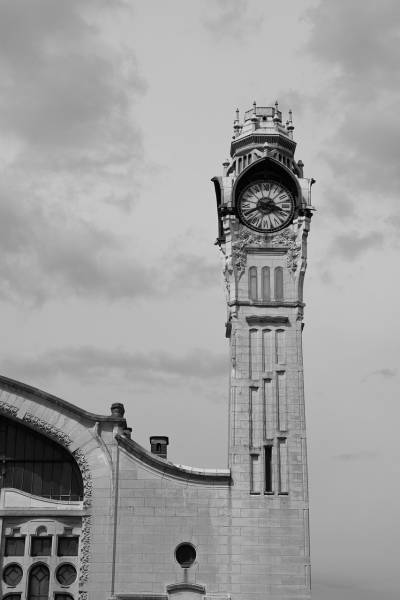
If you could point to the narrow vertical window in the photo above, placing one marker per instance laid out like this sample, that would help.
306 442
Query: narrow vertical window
253 354
283 465
281 401
254 474
278 283
265 284
256 418
280 348
266 349
253 292
268 409
268 487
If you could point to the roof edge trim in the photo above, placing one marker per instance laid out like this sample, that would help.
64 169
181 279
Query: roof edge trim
195 474
31 393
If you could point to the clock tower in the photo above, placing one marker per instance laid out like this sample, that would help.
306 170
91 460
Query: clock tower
264 213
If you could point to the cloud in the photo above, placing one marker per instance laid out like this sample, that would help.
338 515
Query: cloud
50 252
47 252
358 39
385 373
354 456
350 246
66 91
90 364
358 45
193 272
338 203
230 19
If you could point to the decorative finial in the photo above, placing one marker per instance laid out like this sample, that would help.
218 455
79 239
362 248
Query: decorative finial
276 114
236 126
254 107
289 125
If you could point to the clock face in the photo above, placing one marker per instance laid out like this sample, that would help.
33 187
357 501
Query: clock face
266 206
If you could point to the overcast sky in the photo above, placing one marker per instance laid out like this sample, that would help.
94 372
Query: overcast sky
113 118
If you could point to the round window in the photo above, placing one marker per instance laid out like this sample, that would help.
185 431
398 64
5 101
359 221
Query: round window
12 575
66 574
185 555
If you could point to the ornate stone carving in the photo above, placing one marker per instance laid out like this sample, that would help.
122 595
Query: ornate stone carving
245 238
288 239
85 552
50 430
83 595
7 408
86 477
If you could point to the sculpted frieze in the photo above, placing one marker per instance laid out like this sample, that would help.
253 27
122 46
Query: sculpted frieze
50 430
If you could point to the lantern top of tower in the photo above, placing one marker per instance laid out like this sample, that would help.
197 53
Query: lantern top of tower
262 127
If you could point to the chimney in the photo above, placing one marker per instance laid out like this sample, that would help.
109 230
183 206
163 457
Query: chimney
158 445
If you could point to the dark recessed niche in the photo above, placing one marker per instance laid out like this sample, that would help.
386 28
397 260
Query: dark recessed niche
185 555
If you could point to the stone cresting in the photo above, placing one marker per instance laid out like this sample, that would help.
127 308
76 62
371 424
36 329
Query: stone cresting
245 238
8 409
50 430
85 552
288 239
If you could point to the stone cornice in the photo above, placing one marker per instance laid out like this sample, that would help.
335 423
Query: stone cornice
206 476
270 304
267 319
185 586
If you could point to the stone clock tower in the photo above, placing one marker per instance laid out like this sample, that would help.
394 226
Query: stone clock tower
264 213
87 513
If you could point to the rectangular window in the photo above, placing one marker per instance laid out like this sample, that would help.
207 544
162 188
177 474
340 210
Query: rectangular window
41 545
281 401
278 283
67 545
265 284
266 349
15 546
268 474
253 283
283 465
254 357
254 474
256 418
280 346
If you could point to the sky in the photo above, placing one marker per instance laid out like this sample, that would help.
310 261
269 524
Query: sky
114 116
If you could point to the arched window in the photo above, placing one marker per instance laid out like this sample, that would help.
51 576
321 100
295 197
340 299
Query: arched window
278 283
253 292
37 465
265 284
38 588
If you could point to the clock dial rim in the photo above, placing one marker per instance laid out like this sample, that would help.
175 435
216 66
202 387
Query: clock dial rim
243 218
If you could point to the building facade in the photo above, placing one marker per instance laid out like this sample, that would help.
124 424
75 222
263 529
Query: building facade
88 513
